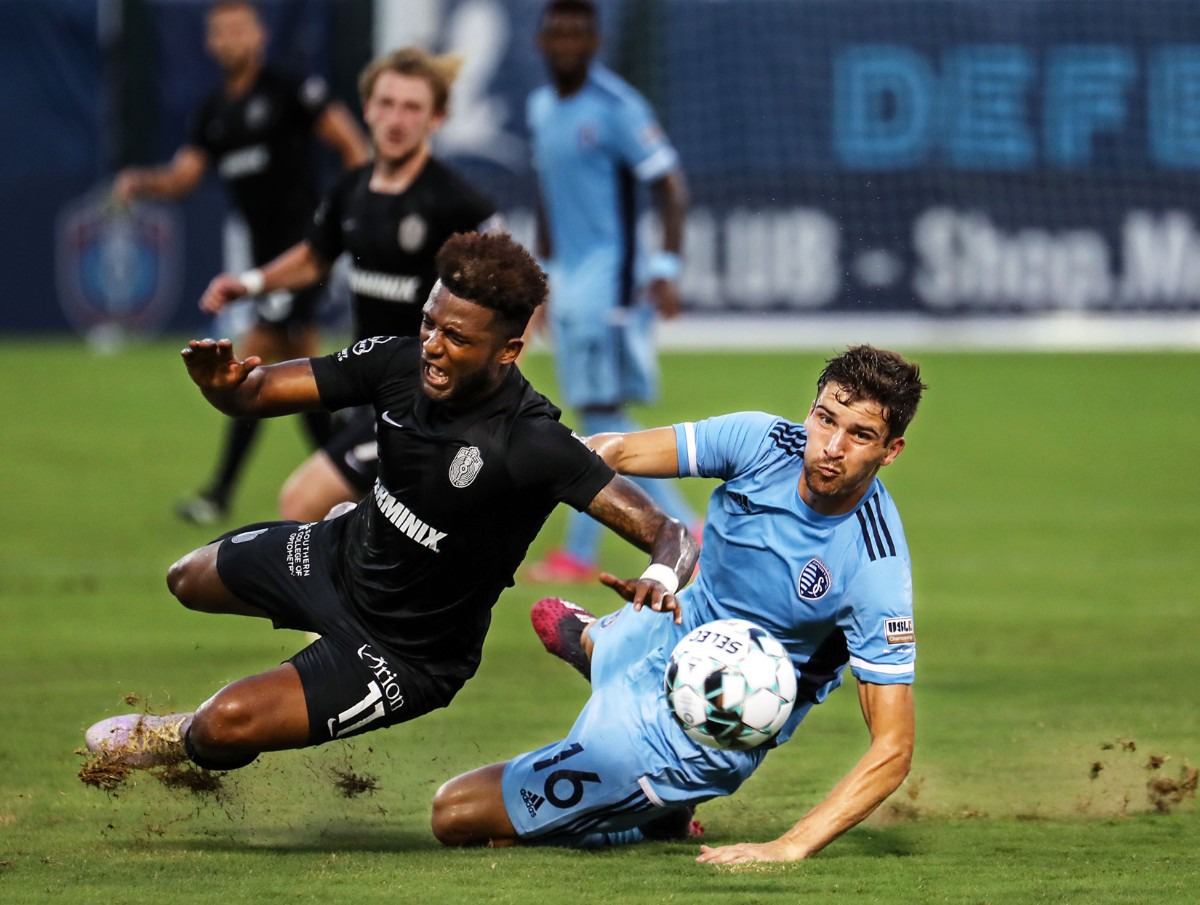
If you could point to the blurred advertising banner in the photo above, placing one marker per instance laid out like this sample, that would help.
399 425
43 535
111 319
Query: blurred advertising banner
947 158
938 156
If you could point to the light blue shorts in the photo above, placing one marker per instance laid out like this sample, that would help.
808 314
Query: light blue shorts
608 360
625 761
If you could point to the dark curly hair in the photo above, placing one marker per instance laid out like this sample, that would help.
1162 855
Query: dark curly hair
865 372
493 270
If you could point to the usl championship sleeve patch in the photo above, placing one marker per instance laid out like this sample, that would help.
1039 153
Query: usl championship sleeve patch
899 631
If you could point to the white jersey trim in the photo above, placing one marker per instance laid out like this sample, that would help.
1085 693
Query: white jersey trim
644 783
657 164
689 436
888 669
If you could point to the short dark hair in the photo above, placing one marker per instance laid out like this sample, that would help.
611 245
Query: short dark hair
584 8
865 372
219 6
493 270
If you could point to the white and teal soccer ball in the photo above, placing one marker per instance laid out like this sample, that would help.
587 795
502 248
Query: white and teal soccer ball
730 684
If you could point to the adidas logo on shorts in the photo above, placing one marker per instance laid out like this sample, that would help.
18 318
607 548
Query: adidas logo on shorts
533 801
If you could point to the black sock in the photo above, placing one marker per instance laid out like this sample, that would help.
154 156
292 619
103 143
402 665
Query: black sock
319 427
239 438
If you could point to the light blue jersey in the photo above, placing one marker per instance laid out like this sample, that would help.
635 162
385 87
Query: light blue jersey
590 151
835 590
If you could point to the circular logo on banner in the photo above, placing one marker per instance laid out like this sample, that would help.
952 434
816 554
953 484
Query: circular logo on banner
117 266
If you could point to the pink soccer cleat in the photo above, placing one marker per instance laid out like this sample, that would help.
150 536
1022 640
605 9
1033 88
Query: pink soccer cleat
560 624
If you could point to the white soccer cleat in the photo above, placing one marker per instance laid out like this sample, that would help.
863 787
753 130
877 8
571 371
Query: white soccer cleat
139 740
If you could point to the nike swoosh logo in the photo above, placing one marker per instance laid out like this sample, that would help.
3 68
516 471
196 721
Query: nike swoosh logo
386 417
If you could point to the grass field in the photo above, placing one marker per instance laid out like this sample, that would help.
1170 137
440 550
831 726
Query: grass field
1052 508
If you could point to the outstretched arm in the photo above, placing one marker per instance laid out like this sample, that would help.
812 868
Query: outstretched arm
628 510
297 268
174 179
337 128
669 196
239 387
888 711
648 454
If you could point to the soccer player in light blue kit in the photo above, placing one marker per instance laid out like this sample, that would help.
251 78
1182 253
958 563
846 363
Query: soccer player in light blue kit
594 140
803 539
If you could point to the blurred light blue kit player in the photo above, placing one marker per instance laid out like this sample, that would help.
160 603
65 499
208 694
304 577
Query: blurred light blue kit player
801 538
595 143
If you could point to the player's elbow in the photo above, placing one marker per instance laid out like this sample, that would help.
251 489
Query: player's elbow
895 762
608 447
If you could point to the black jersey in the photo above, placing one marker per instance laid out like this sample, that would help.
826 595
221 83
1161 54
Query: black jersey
392 240
261 145
458 500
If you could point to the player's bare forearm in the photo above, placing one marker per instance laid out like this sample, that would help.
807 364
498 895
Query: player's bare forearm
628 510
669 194
173 180
339 130
243 389
649 453
876 776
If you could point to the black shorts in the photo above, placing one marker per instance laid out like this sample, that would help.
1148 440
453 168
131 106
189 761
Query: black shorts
287 309
352 684
353 451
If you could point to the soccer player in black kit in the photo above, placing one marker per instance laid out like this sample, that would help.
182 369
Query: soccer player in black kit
257 129
392 216
400 588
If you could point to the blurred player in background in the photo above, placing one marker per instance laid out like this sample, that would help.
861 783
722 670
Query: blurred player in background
801 538
258 131
594 139
391 215
400 588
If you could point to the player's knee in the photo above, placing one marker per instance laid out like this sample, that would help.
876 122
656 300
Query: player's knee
183 581
225 724
447 816
298 502
455 815
291 503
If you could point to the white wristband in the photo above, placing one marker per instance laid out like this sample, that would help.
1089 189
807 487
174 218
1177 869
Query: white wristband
664 575
665 265
253 281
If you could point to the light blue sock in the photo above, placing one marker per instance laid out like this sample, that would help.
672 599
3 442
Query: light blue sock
611 840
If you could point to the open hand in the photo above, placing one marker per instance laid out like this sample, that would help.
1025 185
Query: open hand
745 853
222 289
212 365
643 591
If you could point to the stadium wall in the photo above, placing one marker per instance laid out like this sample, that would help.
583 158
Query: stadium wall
961 169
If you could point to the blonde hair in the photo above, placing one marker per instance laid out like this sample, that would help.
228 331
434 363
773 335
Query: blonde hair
439 72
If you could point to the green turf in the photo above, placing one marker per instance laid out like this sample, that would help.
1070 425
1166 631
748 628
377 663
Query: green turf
1052 509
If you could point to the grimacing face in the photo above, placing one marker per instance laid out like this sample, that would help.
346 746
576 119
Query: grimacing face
464 352
847 444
